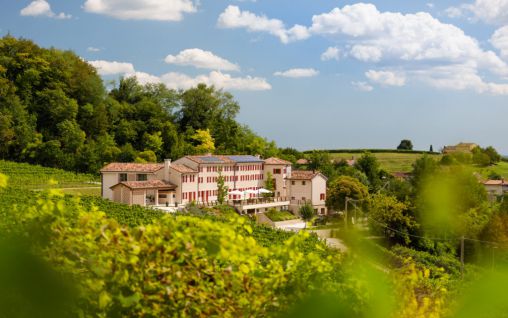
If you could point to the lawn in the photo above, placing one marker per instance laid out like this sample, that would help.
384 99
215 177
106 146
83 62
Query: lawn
391 162
277 216
501 168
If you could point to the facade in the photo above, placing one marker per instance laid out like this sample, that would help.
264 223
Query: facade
496 188
194 179
463 147
307 187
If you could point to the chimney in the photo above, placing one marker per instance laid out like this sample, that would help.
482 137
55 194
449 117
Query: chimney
167 164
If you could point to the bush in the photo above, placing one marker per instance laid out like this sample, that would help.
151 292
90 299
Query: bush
277 216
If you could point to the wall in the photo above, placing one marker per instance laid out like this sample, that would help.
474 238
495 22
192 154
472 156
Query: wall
109 179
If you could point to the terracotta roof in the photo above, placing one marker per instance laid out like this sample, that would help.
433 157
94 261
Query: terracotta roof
304 175
276 161
182 168
302 161
496 182
134 167
402 175
149 184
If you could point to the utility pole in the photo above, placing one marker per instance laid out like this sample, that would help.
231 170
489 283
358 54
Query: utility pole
462 256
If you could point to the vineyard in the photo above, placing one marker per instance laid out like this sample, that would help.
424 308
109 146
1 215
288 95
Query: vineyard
33 177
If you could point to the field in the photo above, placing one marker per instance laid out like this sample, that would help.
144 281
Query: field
391 161
501 168
32 177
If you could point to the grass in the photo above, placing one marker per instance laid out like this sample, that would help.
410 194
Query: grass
391 162
277 216
500 168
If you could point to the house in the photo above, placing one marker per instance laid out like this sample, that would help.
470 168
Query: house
194 179
463 147
496 188
307 187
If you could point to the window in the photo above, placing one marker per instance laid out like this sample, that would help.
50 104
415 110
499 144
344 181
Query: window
276 171
303 182
141 177
122 177
322 210
322 196
303 198
292 183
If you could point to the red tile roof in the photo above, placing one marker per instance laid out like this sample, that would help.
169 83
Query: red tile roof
149 184
302 161
182 168
496 182
276 161
132 167
304 175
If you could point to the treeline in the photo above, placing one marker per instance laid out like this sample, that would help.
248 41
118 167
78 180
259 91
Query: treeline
55 111
361 151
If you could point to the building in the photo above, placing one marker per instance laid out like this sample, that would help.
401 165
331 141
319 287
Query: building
496 188
194 179
307 187
463 147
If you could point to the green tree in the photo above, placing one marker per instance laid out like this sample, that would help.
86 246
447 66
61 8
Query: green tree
405 144
391 218
204 142
222 189
369 165
306 212
346 187
269 184
431 149
423 167
146 156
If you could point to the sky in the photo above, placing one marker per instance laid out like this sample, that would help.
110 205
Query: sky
307 74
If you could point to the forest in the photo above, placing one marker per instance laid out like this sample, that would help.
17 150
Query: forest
55 111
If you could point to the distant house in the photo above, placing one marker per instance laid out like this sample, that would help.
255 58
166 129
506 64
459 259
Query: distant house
308 187
463 147
496 188
401 175
302 161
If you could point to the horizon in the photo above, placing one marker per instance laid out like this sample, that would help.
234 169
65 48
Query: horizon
306 75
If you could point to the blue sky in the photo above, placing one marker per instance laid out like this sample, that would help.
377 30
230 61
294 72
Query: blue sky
308 74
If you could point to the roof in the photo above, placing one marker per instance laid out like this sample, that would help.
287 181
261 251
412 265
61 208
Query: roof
149 184
134 167
401 175
276 161
305 175
225 159
302 161
496 182
182 168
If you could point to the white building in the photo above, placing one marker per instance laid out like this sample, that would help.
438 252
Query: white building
194 179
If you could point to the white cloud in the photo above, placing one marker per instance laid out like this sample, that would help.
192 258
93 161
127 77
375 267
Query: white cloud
489 11
93 49
112 67
234 18
363 86
454 12
144 78
160 10
459 77
430 5
366 53
331 53
42 8
298 73
201 59
386 78
218 79
500 41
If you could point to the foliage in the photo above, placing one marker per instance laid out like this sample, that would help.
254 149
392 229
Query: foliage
269 184
346 187
406 144
222 189
306 212
55 111
277 216
422 169
391 218
369 165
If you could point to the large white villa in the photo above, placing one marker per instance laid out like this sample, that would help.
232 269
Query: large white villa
194 179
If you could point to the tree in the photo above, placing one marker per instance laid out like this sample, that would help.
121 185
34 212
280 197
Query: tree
391 218
222 189
346 187
369 165
423 167
431 149
205 143
405 144
494 156
146 156
269 184
306 212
